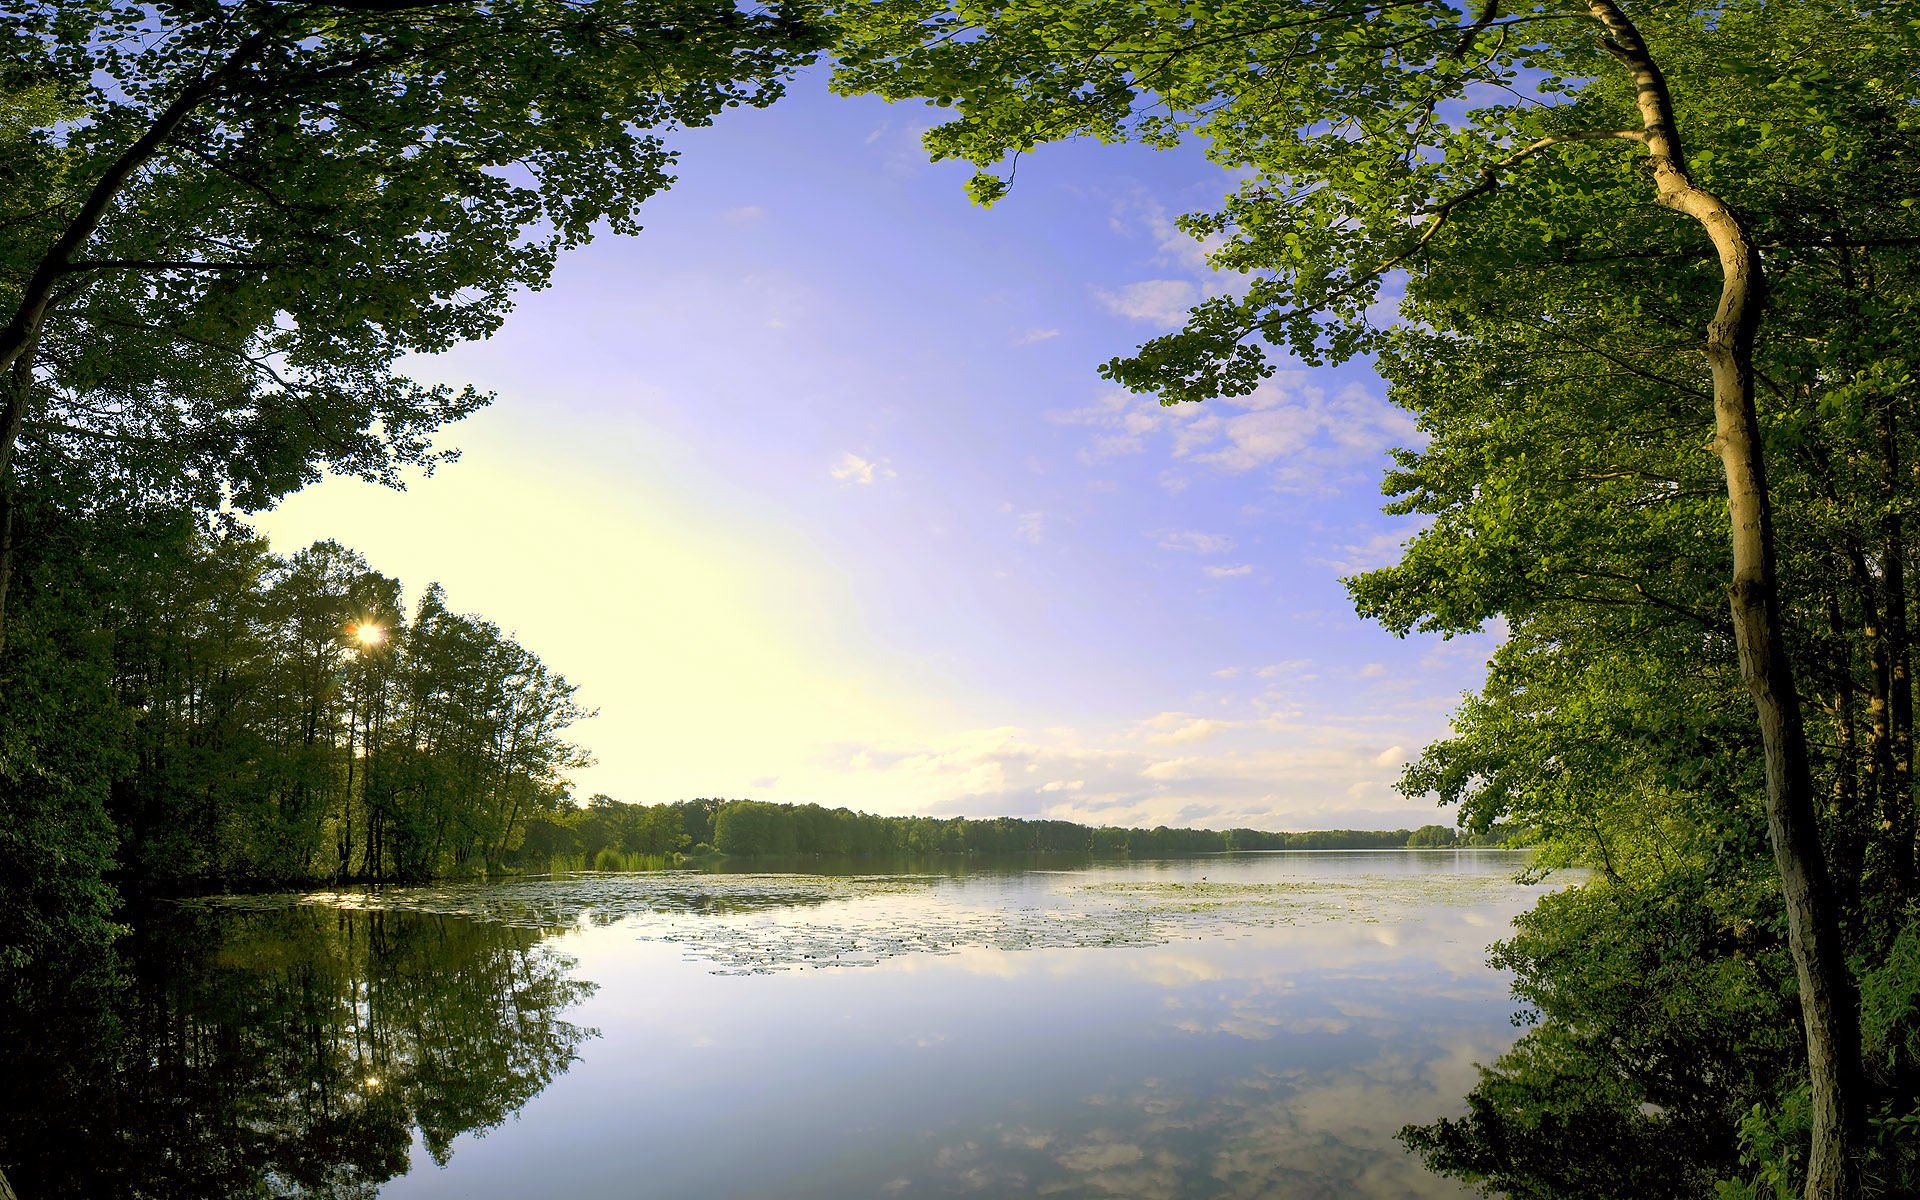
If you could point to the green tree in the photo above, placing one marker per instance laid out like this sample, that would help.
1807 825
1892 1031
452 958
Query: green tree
228 220
1433 837
63 742
1382 142
292 1051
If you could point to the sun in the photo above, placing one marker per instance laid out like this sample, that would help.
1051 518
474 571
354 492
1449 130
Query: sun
368 633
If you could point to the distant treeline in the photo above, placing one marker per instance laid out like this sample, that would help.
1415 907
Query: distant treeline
609 834
282 720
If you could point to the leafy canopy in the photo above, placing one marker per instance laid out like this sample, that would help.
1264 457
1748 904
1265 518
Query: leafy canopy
280 200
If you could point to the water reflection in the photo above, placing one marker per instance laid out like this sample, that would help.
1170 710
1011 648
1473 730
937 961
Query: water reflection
804 921
300 1051
1229 1028
1296 1133
1258 1027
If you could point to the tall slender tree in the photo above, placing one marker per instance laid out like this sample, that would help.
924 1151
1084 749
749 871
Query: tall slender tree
1381 142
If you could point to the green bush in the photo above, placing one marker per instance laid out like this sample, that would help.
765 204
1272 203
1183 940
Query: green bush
609 859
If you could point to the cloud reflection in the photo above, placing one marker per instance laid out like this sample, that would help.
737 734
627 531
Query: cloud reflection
1300 1133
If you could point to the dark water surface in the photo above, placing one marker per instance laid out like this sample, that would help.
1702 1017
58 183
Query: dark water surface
1253 1025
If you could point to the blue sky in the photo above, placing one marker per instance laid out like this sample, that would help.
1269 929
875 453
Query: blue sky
815 491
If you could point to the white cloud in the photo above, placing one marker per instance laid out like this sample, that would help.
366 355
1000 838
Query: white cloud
1198 729
1282 770
1036 335
856 470
1031 527
1305 438
743 214
1234 572
900 145
1290 666
1193 541
1172 768
1122 423
1162 302
778 298
1377 550
1254 439
1175 247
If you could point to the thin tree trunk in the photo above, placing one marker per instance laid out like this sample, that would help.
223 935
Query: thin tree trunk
19 392
1898 808
497 851
1827 1006
346 807
1878 763
1848 844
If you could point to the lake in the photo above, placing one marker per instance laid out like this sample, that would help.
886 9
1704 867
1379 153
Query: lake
1250 1025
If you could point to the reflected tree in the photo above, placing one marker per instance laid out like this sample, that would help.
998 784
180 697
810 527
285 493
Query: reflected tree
283 1052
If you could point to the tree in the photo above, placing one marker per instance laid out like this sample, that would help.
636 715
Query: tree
1377 141
230 218
299 1050
219 716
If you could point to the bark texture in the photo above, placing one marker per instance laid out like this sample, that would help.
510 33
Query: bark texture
1827 1006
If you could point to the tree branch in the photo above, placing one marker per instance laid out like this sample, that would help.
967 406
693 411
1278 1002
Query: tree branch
25 322
156 264
1488 12
1490 179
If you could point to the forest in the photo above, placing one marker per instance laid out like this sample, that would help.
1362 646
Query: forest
95 1095
1657 286
289 723
607 834
1646 275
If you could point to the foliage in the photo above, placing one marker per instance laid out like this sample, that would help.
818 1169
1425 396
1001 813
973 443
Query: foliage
233 218
611 831
1661 1011
222 225
290 1051
1548 339
63 741
273 745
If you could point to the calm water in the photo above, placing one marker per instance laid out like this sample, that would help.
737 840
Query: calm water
1242 1026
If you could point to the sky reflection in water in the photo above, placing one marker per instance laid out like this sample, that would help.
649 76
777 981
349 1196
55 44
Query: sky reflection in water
1252 1026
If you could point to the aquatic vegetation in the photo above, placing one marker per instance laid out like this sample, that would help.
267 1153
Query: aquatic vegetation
762 923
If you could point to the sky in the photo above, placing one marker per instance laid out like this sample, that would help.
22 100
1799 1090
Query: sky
814 490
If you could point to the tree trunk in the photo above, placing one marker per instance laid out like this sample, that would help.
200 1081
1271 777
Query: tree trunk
1827 1005
346 810
1878 762
19 391
1848 845
20 334
1898 809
